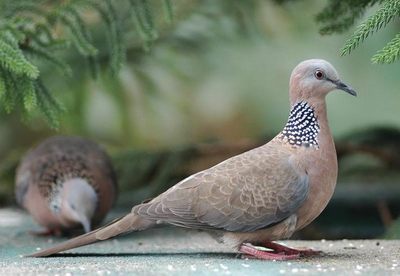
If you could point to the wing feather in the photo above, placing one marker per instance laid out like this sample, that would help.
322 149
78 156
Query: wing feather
244 193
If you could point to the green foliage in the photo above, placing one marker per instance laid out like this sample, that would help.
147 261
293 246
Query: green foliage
144 22
39 33
389 53
168 11
339 16
389 11
48 105
13 60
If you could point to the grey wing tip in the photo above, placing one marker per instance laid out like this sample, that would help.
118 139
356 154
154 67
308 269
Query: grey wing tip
85 239
79 241
50 251
39 254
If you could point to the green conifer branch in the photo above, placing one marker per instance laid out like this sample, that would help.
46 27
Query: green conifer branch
115 39
35 31
78 34
114 34
13 59
2 86
42 53
338 16
390 53
168 11
48 105
29 95
389 10
143 22
9 99
29 9
148 21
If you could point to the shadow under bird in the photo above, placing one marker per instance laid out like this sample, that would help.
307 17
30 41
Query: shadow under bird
259 196
66 183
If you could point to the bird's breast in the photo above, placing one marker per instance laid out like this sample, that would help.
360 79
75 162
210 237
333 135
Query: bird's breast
321 168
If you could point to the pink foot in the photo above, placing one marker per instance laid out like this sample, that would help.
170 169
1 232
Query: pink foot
279 248
253 252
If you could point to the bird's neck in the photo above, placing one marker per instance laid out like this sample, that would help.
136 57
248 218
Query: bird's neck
304 124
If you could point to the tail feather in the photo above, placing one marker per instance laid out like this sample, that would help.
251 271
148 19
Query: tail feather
125 224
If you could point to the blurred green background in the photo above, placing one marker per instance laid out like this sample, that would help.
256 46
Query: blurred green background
215 83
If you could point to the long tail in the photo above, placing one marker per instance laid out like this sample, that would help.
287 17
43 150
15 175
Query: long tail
125 224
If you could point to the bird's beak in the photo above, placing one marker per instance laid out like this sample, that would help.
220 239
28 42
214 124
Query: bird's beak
342 86
85 223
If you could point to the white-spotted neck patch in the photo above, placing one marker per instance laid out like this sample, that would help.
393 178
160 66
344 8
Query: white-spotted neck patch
302 127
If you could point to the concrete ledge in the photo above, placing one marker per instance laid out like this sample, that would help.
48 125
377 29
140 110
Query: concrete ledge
175 251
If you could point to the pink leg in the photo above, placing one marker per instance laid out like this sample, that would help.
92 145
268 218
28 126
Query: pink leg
253 252
279 248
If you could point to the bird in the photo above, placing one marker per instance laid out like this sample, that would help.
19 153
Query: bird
260 196
66 183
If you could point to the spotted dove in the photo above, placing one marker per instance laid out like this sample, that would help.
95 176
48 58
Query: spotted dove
259 196
66 182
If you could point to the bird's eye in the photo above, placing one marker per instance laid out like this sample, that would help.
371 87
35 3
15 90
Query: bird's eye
319 74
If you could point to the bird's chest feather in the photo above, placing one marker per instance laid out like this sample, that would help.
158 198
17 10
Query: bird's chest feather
307 135
313 153
320 165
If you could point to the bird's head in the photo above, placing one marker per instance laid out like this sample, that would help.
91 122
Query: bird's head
313 79
78 202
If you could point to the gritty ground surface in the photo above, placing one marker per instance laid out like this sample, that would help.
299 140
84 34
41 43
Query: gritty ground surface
174 251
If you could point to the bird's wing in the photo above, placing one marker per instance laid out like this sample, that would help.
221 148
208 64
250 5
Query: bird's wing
32 172
244 193
22 186
24 176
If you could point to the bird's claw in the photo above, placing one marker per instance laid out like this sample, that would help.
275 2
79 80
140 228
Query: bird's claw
278 252
276 247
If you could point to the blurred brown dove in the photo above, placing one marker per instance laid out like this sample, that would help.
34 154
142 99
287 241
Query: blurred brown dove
259 196
66 182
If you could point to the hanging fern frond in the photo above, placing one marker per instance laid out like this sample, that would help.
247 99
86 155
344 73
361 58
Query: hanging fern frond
338 16
3 87
49 106
168 11
78 32
13 59
42 53
9 98
114 33
143 22
390 53
29 97
380 19
35 32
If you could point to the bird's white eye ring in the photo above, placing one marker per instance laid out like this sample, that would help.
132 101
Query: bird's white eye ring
319 74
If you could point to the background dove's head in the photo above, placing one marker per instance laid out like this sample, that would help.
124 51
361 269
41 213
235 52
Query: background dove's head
313 79
78 202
